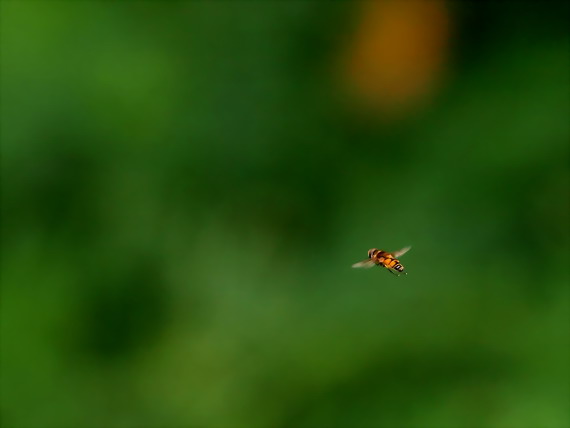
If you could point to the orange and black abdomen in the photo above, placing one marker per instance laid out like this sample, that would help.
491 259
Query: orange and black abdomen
386 260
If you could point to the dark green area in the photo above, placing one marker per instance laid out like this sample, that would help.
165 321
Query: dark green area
184 191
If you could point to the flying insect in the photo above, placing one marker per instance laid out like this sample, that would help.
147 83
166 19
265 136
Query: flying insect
388 260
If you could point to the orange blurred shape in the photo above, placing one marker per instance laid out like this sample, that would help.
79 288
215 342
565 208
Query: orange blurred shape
397 52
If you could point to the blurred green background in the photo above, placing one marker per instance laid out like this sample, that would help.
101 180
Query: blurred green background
185 186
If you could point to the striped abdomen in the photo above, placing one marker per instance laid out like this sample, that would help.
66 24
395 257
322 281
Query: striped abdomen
385 259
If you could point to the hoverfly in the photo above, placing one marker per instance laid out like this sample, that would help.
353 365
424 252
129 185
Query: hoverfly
383 258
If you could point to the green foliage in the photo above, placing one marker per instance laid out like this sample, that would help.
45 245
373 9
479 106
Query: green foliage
184 192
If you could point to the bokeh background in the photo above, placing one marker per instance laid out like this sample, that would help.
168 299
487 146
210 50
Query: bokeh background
185 186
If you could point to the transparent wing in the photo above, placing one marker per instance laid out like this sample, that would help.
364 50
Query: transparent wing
401 252
365 264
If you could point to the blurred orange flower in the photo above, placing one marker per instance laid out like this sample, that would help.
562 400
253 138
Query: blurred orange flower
396 53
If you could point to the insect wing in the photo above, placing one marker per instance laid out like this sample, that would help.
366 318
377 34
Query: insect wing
401 252
365 264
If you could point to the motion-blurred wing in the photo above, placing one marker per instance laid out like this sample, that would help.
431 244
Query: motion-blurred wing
401 252
365 264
